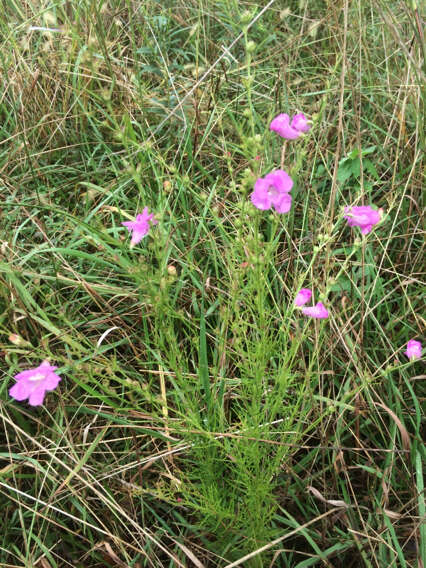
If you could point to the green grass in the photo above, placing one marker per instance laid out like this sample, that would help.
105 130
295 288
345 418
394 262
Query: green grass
201 420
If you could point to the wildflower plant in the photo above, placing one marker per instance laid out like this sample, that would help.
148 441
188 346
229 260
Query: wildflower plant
202 394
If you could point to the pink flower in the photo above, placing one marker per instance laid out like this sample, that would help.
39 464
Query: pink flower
272 191
302 297
318 311
364 217
414 349
140 226
281 124
34 383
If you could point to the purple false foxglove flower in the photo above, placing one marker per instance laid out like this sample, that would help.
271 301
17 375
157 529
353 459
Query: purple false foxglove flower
414 349
318 311
302 297
364 217
140 226
282 126
273 191
34 383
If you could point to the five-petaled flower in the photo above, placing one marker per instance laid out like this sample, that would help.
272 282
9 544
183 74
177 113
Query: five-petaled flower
414 349
318 311
140 226
273 191
290 130
34 383
363 216
302 297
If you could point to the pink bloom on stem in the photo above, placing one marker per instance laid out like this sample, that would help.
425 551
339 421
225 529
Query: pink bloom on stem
364 217
318 311
273 191
282 126
302 297
34 383
140 226
414 349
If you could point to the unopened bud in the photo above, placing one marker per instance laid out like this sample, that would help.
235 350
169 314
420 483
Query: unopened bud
18 340
251 46
246 17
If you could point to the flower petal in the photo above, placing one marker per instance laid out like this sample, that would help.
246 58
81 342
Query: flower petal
20 391
128 224
280 180
139 234
25 375
260 196
37 396
300 123
51 382
282 203
303 296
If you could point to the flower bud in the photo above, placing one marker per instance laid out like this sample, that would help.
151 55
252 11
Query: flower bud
251 46
18 340
246 17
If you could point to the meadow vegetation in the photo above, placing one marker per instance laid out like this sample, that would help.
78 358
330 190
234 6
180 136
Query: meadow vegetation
201 419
